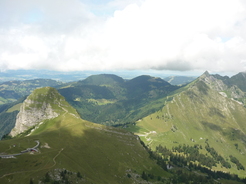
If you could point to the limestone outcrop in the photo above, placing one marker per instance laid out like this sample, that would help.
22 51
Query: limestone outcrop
35 109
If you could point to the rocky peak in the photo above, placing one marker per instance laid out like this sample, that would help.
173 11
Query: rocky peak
40 105
213 82
222 85
206 74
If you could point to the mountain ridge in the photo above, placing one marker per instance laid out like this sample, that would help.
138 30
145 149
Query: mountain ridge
199 114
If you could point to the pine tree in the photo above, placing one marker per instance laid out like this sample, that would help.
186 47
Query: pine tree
31 181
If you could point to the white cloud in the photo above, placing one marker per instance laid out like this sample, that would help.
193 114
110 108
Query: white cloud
151 34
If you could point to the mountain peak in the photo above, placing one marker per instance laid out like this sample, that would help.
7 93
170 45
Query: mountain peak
206 77
103 79
206 73
44 103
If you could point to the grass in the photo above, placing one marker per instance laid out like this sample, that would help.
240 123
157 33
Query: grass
101 154
15 108
187 119
101 101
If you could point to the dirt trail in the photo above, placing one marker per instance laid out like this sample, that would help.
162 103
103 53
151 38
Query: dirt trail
18 172
54 159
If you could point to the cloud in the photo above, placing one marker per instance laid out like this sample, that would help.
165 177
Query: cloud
151 34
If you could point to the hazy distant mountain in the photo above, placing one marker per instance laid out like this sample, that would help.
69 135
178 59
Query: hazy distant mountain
13 75
179 80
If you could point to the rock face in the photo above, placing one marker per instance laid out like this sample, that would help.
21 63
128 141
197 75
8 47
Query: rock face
40 105
225 86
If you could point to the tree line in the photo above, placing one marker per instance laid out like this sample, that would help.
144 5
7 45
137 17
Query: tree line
190 165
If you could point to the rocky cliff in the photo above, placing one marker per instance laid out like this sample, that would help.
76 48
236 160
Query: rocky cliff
225 86
42 104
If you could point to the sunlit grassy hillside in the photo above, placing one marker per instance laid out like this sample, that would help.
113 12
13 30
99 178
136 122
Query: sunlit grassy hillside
198 115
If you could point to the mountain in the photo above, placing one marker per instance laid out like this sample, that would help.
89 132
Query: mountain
196 131
70 149
110 100
39 106
179 80
102 79
113 83
239 80
11 91
106 99
228 87
146 86
208 116
8 113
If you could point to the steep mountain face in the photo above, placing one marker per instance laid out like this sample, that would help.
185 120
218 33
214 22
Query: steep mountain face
228 87
40 105
72 150
204 113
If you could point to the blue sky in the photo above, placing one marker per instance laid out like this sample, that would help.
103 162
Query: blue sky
177 36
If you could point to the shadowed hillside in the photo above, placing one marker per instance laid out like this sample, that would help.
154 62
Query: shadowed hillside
91 153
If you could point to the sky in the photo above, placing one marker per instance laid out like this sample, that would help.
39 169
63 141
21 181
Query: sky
125 35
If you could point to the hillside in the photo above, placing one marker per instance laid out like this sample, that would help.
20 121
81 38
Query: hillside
194 131
105 99
72 149
200 114
110 100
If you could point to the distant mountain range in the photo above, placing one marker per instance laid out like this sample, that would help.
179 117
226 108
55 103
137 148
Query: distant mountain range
13 75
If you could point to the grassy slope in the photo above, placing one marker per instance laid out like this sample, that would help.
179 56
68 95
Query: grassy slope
101 154
195 115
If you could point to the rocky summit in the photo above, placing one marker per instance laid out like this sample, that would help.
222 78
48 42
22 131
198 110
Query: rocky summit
39 106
